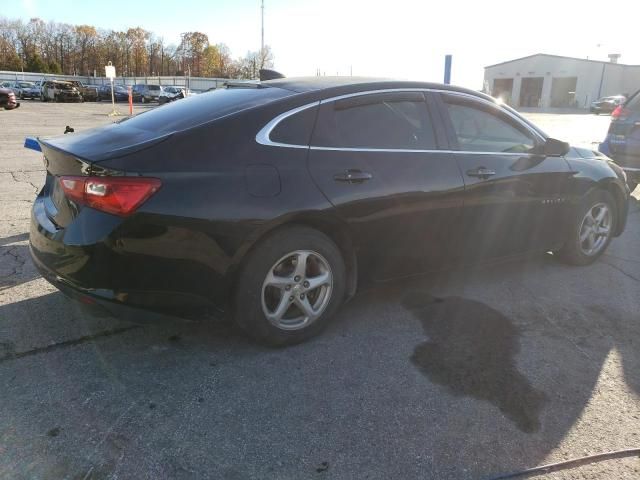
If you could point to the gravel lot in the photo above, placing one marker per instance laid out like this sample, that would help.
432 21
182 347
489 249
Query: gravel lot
460 375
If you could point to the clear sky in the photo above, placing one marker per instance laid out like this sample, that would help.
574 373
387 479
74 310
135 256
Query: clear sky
395 38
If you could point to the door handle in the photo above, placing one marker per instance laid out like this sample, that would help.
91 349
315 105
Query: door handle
352 176
481 172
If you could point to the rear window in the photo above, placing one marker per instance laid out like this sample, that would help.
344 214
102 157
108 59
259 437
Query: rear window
154 87
202 108
634 103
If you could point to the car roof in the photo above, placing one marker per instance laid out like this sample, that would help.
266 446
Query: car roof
340 85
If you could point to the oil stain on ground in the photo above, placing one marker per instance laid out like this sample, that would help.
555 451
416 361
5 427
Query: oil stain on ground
471 350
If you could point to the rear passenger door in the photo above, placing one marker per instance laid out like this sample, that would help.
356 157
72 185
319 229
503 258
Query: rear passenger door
376 157
516 197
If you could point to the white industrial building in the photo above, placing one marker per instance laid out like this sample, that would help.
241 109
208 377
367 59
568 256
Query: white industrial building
552 81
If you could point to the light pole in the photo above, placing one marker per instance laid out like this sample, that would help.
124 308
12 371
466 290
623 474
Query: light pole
262 30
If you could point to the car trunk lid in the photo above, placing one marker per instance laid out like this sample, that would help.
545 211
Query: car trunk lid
78 155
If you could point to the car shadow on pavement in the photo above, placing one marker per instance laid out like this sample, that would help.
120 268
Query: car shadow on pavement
538 366
439 385
15 262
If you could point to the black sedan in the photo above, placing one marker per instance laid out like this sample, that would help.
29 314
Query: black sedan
120 93
274 200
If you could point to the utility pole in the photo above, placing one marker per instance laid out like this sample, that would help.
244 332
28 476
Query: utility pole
262 30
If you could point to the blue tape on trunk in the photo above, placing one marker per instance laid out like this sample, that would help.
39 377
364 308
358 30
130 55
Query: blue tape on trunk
32 144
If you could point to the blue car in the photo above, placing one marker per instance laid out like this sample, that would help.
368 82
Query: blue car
622 143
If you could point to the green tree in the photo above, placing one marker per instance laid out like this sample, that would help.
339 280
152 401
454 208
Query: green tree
54 67
36 64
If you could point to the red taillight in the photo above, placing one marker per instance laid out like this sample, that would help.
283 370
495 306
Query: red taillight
117 195
620 113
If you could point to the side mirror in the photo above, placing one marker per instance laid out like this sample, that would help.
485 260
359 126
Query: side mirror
555 148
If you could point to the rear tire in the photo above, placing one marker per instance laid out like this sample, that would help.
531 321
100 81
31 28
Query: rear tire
298 298
589 236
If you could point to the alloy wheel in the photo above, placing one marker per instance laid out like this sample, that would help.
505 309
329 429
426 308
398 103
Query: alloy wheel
297 290
595 229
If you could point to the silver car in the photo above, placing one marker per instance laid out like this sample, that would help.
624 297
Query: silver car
26 90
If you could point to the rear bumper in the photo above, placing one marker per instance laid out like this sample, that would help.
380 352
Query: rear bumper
90 262
100 302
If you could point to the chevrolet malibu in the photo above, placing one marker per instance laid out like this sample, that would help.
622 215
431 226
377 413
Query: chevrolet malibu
275 200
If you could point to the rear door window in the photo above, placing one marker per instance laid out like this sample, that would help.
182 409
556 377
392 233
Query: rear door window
397 120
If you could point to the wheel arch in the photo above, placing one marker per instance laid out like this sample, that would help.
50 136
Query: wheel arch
326 224
620 197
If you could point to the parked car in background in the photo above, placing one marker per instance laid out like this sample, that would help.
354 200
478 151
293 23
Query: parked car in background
59 91
303 188
89 92
39 85
7 84
622 142
146 93
120 93
8 99
26 90
174 92
607 104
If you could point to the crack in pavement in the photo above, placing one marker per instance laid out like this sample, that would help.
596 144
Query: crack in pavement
23 171
609 255
68 343
35 188
20 261
615 267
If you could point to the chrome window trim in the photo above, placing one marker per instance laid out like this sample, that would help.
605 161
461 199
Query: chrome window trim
400 150
263 136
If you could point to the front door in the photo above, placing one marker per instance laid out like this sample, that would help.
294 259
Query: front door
375 157
515 197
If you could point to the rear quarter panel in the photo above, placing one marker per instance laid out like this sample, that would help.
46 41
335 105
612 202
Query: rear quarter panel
198 227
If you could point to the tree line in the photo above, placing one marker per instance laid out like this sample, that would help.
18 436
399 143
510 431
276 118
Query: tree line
52 47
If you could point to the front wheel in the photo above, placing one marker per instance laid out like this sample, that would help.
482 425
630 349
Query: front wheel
591 231
290 286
